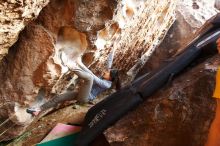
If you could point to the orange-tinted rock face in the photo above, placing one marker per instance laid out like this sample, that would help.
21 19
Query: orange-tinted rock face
25 68
132 28
91 16
32 62
15 15
181 113
136 33
178 115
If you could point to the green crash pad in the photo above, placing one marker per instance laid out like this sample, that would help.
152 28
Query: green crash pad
61 135
63 141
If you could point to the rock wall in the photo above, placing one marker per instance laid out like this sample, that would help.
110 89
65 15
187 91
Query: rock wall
132 30
186 26
180 114
14 16
133 47
32 62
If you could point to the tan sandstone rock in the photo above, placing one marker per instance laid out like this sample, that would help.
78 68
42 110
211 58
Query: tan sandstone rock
14 16
180 114
133 29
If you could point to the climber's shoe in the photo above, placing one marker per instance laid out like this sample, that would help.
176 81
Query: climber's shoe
33 111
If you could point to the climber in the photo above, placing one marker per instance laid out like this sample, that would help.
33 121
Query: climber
71 58
214 133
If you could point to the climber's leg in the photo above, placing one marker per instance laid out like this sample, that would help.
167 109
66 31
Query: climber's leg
69 95
85 87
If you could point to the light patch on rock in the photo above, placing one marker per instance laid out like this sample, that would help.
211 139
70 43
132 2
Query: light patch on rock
21 117
196 17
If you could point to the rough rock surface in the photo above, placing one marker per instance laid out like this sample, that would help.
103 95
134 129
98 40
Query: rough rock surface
187 24
14 16
133 28
196 12
32 62
133 47
178 115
